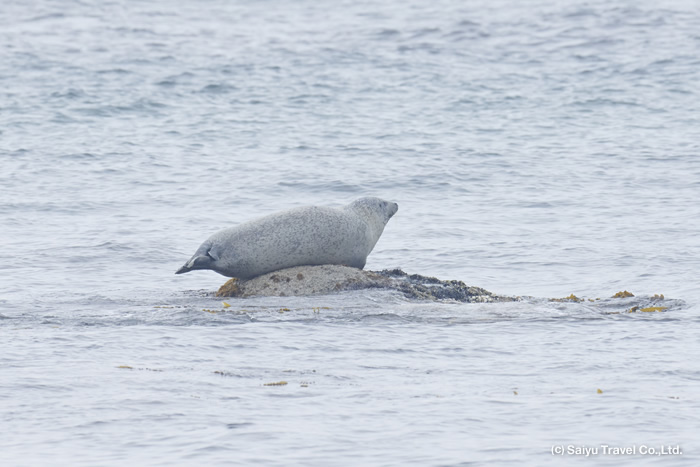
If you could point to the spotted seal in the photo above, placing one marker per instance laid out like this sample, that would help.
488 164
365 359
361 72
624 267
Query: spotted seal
304 236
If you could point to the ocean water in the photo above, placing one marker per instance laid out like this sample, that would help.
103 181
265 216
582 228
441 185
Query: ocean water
536 149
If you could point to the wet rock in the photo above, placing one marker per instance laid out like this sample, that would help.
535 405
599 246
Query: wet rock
327 279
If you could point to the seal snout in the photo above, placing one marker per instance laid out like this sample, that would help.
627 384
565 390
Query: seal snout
197 262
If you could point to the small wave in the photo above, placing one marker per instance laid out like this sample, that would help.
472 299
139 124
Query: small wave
70 94
387 34
425 32
219 88
47 16
79 156
338 186
140 106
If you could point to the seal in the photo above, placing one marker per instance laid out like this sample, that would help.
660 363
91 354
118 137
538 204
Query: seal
306 236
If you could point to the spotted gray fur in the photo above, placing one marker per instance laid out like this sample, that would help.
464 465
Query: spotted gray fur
305 236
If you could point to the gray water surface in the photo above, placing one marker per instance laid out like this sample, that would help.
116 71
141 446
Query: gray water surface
535 149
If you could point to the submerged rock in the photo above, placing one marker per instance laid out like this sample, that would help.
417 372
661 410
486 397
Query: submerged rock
327 279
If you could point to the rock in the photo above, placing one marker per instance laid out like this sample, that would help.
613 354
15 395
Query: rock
327 279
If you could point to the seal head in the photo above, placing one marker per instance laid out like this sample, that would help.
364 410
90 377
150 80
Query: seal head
204 258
